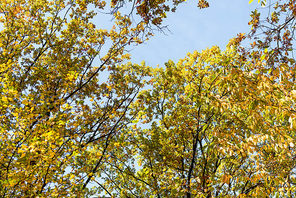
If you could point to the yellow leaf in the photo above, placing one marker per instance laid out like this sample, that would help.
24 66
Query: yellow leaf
72 177
293 93
226 179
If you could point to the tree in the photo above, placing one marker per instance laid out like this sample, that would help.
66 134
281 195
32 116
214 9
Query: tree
217 130
222 124
59 114
215 124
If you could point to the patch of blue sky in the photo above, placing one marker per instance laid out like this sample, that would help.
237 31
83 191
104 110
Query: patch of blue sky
193 29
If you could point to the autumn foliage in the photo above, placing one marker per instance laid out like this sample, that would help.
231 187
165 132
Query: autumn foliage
77 119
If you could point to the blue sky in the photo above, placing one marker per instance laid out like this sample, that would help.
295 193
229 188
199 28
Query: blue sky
191 29
195 29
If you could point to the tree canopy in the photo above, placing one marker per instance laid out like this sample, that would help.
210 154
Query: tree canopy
79 120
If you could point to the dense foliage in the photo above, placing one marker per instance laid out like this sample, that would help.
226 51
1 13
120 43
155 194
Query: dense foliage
77 119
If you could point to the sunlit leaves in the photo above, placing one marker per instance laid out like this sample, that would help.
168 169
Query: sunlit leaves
202 4
59 112
74 112
215 127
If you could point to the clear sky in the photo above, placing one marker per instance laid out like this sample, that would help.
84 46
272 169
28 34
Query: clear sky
195 29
